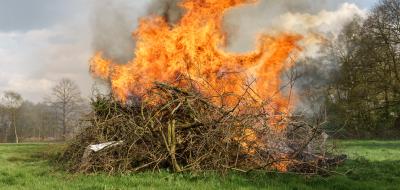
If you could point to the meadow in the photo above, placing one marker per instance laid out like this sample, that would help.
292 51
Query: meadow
371 165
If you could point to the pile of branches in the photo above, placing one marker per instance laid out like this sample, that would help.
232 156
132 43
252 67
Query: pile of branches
182 130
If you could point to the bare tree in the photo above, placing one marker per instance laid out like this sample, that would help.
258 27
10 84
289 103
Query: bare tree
12 101
66 98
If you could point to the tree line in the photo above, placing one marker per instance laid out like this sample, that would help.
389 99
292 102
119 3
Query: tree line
353 88
53 119
361 94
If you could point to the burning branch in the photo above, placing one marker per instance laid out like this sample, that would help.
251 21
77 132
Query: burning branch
209 110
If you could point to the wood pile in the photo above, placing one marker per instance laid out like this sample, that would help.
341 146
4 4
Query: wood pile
180 130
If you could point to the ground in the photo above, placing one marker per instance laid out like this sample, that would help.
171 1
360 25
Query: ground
372 165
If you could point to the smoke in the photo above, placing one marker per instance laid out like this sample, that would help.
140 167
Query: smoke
112 25
113 22
169 9
305 17
315 20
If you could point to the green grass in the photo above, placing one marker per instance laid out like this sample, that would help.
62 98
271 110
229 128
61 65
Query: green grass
372 150
372 165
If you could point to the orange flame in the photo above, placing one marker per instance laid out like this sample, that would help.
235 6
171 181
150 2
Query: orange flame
194 48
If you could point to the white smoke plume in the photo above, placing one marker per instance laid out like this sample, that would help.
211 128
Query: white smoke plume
303 17
315 20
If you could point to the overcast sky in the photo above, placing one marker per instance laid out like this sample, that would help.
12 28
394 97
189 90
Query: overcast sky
42 41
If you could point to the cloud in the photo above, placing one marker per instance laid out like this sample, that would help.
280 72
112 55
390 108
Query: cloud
23 15
35 60
30 88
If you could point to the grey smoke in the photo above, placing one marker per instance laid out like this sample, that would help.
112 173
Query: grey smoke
113 22
112 26
169 9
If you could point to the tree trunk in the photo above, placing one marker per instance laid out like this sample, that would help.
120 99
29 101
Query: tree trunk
64 123
6 132
15 128
40 133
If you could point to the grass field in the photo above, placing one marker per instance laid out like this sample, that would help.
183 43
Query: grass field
372 165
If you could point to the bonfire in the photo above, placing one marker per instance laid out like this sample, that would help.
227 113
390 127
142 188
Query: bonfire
185 104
